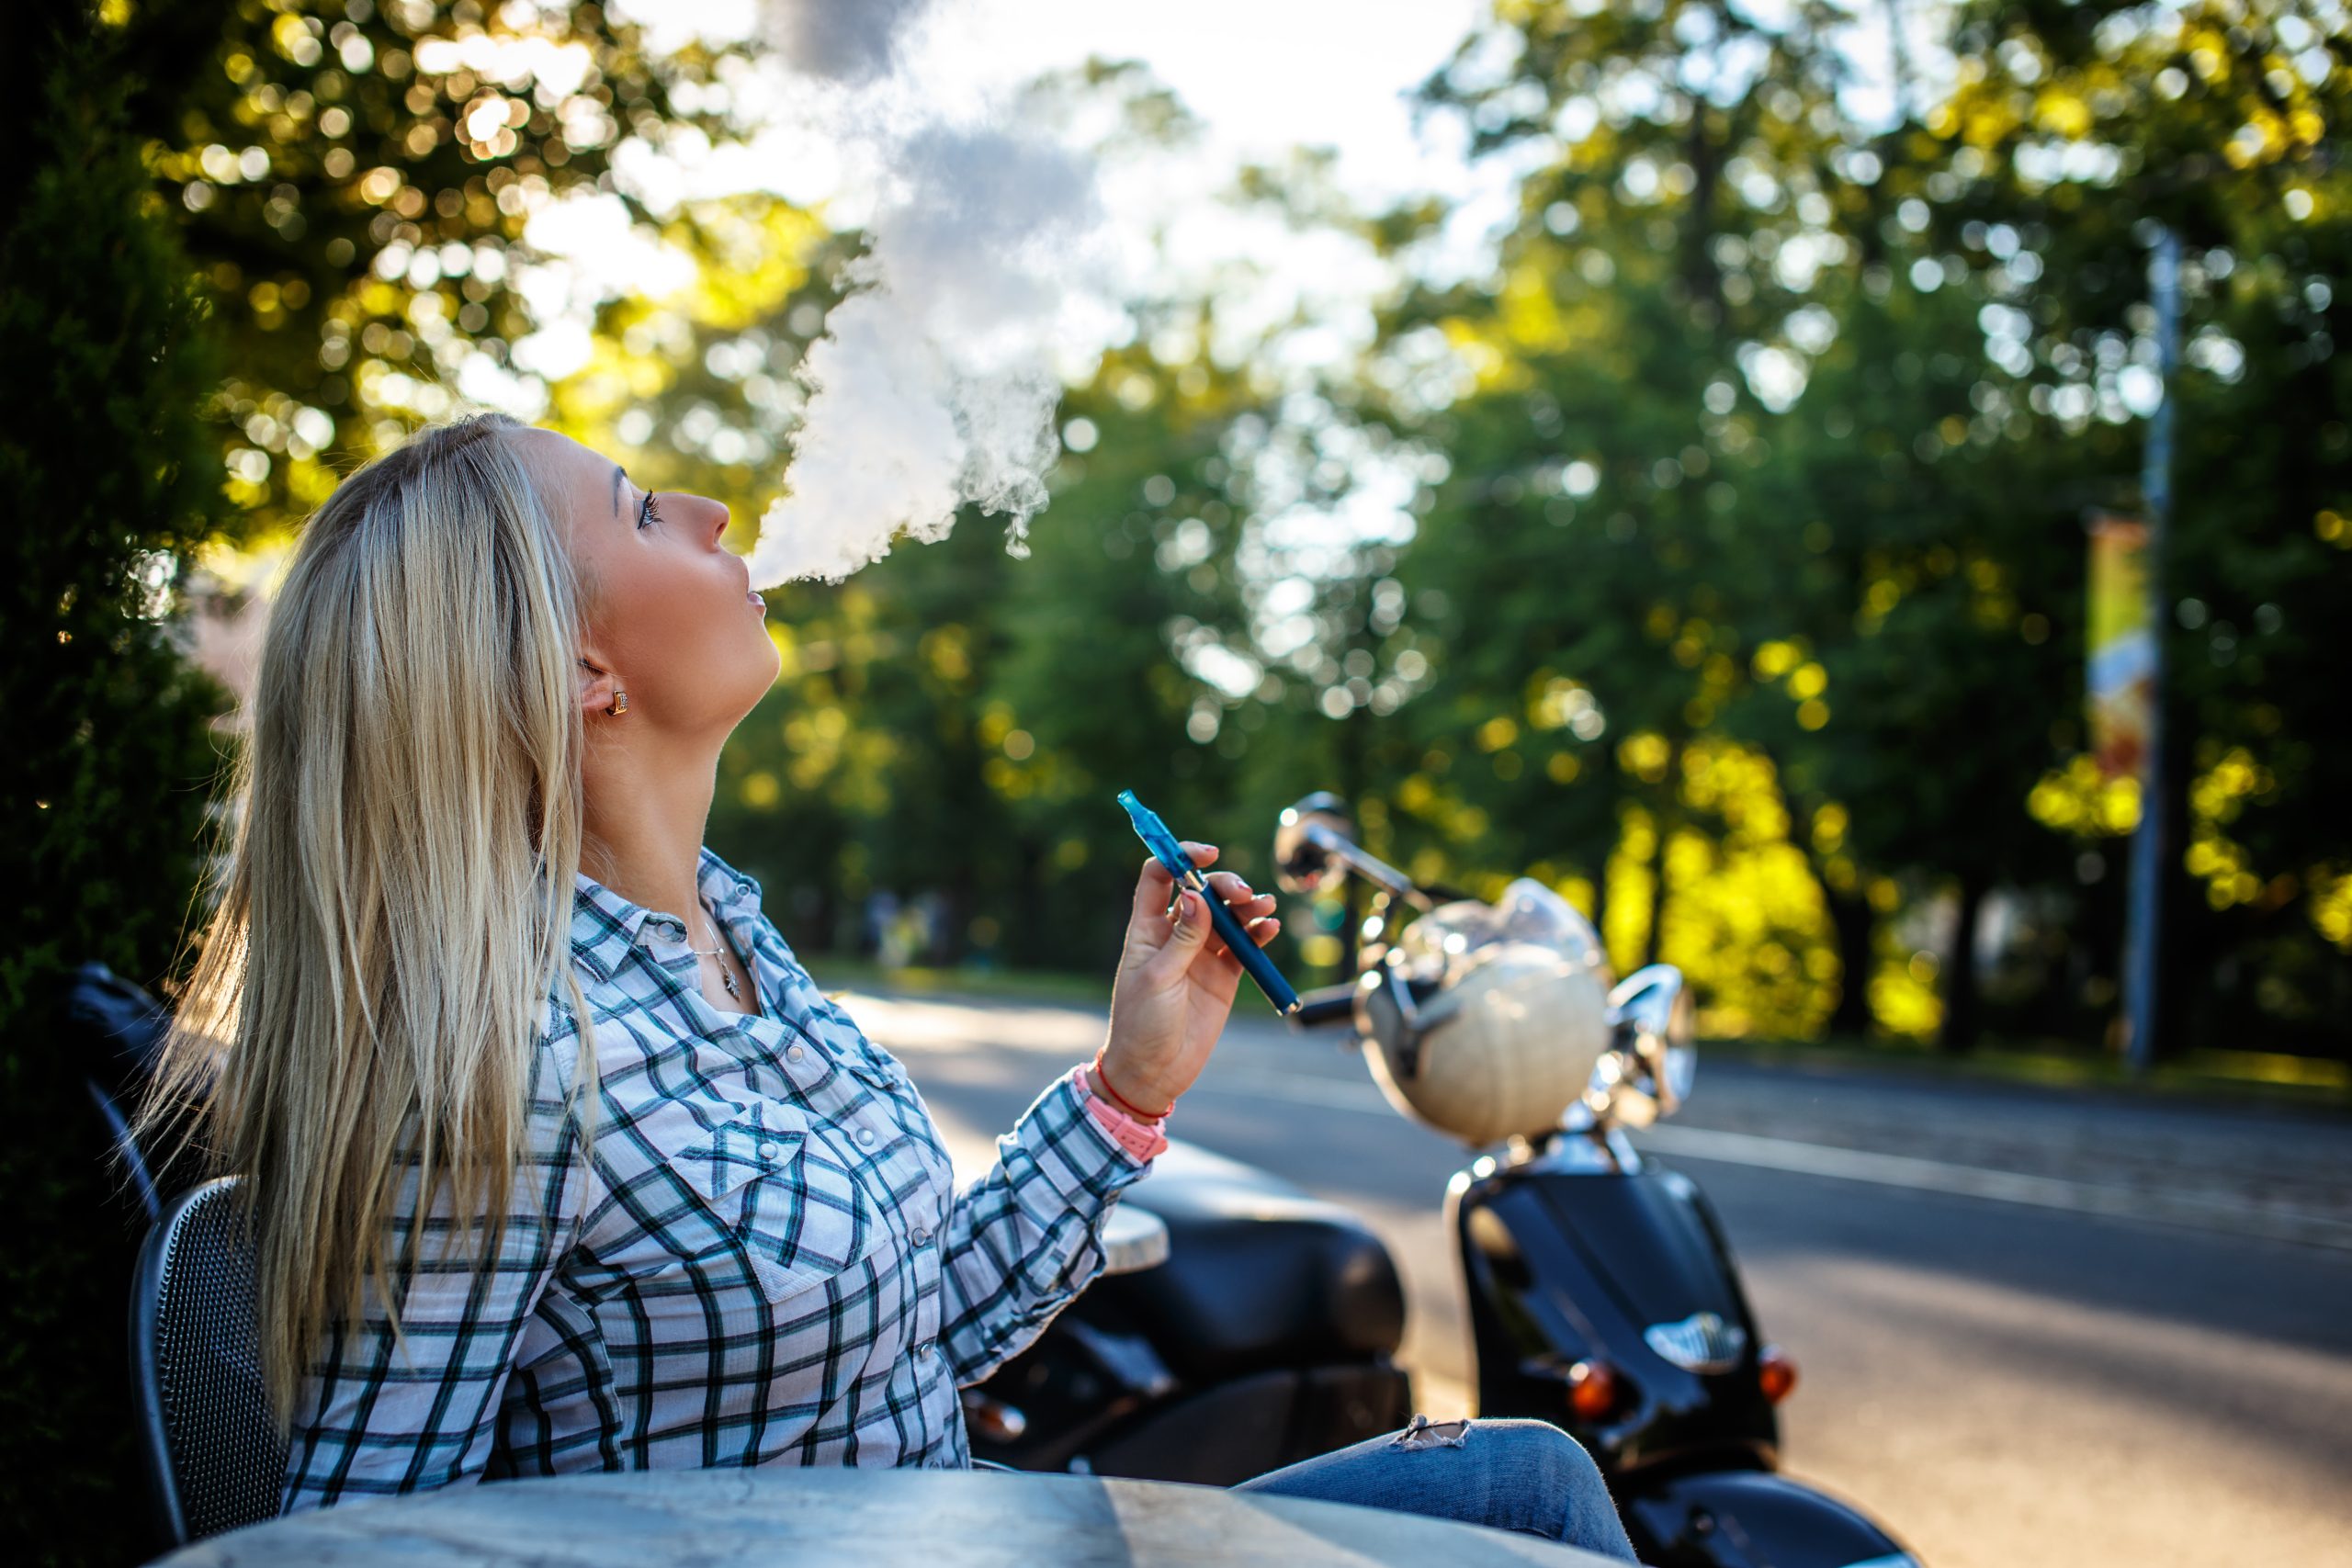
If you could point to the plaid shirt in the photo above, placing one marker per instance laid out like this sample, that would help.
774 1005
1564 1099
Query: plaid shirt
763 1261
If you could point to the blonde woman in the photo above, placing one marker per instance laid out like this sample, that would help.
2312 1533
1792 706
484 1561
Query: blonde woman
558 1160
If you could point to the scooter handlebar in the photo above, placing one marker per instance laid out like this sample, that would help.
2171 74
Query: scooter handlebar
1337 1004
1332 1004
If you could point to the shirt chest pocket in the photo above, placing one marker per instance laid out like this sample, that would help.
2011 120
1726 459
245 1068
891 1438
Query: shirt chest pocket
778 1201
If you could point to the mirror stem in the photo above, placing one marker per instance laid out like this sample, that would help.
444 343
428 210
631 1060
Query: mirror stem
1371 867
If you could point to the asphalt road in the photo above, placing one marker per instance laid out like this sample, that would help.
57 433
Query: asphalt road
2035 1327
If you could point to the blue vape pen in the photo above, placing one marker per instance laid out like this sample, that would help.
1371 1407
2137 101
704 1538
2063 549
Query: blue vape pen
1165 849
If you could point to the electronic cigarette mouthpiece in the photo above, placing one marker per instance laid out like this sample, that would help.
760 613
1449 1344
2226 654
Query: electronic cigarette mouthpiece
1169 851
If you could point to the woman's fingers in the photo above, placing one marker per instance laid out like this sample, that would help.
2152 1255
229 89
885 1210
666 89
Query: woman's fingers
1255 911
1200 855
1155 890
1245 902
1155 885
1262 930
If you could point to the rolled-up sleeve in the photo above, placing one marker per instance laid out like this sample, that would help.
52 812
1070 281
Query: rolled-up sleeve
1026 1238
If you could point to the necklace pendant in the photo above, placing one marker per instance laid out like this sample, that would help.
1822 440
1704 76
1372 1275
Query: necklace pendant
727 979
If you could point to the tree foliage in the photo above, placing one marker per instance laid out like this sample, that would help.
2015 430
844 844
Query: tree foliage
355 178
1742 592
1781 433
112 477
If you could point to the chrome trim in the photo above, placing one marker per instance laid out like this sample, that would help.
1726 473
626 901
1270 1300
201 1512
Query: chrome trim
1588 1152
1703 1342
1646 997
1371 867
993 1419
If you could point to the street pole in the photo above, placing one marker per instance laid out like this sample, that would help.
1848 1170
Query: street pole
2144 919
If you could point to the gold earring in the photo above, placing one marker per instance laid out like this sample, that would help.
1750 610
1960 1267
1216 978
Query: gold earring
620 702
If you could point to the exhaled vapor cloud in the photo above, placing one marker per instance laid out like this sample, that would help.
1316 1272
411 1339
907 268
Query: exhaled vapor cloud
934 385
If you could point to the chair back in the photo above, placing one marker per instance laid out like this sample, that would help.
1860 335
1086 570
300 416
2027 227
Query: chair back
213 1457
115 1031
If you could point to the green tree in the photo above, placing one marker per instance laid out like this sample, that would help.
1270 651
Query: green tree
1615 505
2070 133
951 721
1103 629
1843 393
354 179
1931 590
114 478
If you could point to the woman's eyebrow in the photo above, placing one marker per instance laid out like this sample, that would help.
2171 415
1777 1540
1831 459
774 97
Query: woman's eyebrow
617 477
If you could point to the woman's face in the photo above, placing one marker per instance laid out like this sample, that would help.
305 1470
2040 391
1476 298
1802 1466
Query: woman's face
671 618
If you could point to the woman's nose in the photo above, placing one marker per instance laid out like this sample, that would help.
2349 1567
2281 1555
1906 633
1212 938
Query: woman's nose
715 520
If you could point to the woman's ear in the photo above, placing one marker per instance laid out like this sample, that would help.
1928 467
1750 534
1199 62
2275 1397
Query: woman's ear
599 693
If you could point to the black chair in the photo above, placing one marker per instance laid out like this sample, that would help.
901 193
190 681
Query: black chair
115 1031
212 1453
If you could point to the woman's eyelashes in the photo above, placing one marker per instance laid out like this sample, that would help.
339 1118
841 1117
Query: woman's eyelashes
650 512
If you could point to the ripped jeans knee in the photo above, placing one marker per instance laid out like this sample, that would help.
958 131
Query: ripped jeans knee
1521 1475
1425 1432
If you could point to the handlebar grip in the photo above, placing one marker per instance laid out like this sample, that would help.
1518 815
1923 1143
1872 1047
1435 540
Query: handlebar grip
1337 1004
1332 1004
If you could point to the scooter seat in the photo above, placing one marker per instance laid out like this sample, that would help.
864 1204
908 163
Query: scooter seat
1258 1274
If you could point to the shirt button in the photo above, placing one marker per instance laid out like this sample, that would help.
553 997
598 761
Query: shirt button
921 1237
769 1151
923 1351
865 1136
793 1052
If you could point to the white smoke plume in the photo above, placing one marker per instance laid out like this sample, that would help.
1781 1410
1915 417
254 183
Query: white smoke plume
846 40
936 382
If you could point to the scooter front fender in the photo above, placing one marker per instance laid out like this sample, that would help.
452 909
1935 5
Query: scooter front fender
1562 1265
1750 1519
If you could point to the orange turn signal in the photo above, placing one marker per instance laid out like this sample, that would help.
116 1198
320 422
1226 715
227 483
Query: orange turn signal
1776 1374
1593 1391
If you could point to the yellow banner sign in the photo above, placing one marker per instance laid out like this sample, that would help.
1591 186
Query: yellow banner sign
2122 646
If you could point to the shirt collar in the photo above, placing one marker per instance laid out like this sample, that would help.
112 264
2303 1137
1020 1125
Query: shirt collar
730 895
606 927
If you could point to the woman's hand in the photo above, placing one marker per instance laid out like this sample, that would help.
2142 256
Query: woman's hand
1176 983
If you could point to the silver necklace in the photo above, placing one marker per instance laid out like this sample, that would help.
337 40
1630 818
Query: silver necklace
726 975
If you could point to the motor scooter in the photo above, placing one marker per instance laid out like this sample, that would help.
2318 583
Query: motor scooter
1602 1295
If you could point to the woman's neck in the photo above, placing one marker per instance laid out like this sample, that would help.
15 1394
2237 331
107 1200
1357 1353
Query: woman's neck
644 826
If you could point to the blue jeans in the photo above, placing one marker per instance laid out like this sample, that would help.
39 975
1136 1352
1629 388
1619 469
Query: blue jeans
1516 1476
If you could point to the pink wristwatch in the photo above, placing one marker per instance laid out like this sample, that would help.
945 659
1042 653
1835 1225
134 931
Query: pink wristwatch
1144 1140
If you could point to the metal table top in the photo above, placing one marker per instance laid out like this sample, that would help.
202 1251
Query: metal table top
847 1518
1133 1240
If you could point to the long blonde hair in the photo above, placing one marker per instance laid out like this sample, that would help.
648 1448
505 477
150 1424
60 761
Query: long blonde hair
394 911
